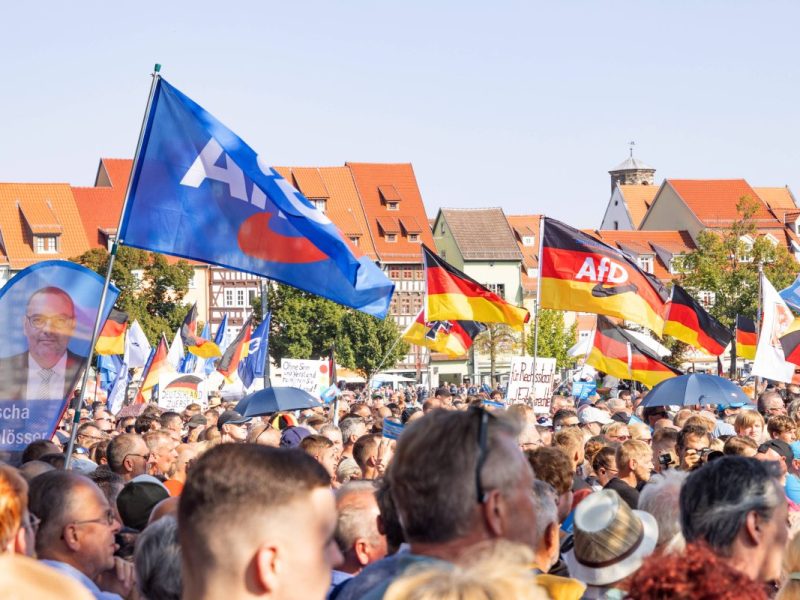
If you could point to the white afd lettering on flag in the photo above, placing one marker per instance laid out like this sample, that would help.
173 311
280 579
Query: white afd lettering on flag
606 271
205 167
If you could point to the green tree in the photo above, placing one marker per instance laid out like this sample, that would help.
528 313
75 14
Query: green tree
497 339
151 289
555 339
725 265
306 326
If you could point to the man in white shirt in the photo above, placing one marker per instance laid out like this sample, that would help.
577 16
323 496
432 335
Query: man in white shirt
48 370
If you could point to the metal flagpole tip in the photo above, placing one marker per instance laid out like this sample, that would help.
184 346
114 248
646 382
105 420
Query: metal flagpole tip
157 68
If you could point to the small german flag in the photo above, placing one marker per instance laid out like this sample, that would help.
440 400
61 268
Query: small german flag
689 322
454 296
236 352
745 338
583 274
112 337
618 353
193 342
158 365
453 338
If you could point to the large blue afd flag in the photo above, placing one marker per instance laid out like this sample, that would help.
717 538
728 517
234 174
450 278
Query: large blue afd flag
198 191
252 366
47 313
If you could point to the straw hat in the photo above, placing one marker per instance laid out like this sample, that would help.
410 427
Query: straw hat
610 539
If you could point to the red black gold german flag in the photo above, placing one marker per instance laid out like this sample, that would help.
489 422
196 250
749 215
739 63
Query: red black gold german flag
790 342
453 338
455 296
194 343
618 353
112 337
746 340
689 322
237 351
581 273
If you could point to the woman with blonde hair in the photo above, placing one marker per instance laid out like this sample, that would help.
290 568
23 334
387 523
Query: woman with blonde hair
790 590
750 423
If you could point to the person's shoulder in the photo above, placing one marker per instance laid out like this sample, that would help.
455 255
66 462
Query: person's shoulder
14 361
561 588
374 580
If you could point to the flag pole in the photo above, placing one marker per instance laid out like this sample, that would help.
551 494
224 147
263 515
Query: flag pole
97 322
757 381
538 295
264 311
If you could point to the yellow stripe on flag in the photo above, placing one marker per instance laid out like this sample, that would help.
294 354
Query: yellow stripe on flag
459 307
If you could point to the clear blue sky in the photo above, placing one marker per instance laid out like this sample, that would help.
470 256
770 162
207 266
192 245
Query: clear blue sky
523 105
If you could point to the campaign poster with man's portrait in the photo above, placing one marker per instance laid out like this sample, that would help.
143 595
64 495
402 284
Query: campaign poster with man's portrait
47 313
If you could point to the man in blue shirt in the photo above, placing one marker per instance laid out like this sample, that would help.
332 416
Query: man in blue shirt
76 533
458 479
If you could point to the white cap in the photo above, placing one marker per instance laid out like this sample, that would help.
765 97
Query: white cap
590 414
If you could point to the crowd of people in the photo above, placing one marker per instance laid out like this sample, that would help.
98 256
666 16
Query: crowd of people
601 498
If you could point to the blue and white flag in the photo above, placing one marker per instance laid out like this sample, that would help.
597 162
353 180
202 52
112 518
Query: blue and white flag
108 366
137 347
252 367
791 295
198 191
116 397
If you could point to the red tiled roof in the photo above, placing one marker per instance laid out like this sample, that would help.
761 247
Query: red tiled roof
369 177
527 225
388 225
638 199
47 201
100 206
654 243
714 201
343 205
309 181
780 200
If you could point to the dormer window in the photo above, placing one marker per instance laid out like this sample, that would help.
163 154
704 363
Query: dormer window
393 205
528 240
413 237
645 263
354 240
391 237
45 244
321 204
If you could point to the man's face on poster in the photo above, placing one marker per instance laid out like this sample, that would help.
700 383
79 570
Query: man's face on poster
48 325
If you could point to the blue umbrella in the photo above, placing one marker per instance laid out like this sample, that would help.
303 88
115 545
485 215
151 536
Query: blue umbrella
275 399
696 388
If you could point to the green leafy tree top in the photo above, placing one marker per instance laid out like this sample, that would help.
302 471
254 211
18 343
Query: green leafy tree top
306 326
725 265
151 289
555 339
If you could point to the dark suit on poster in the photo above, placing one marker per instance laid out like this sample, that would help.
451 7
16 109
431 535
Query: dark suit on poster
14 375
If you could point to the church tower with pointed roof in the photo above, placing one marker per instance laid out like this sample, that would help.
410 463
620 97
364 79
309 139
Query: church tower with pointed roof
632 172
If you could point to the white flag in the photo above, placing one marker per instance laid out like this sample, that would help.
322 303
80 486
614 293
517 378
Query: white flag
116 397
770 362
137 348
176 352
